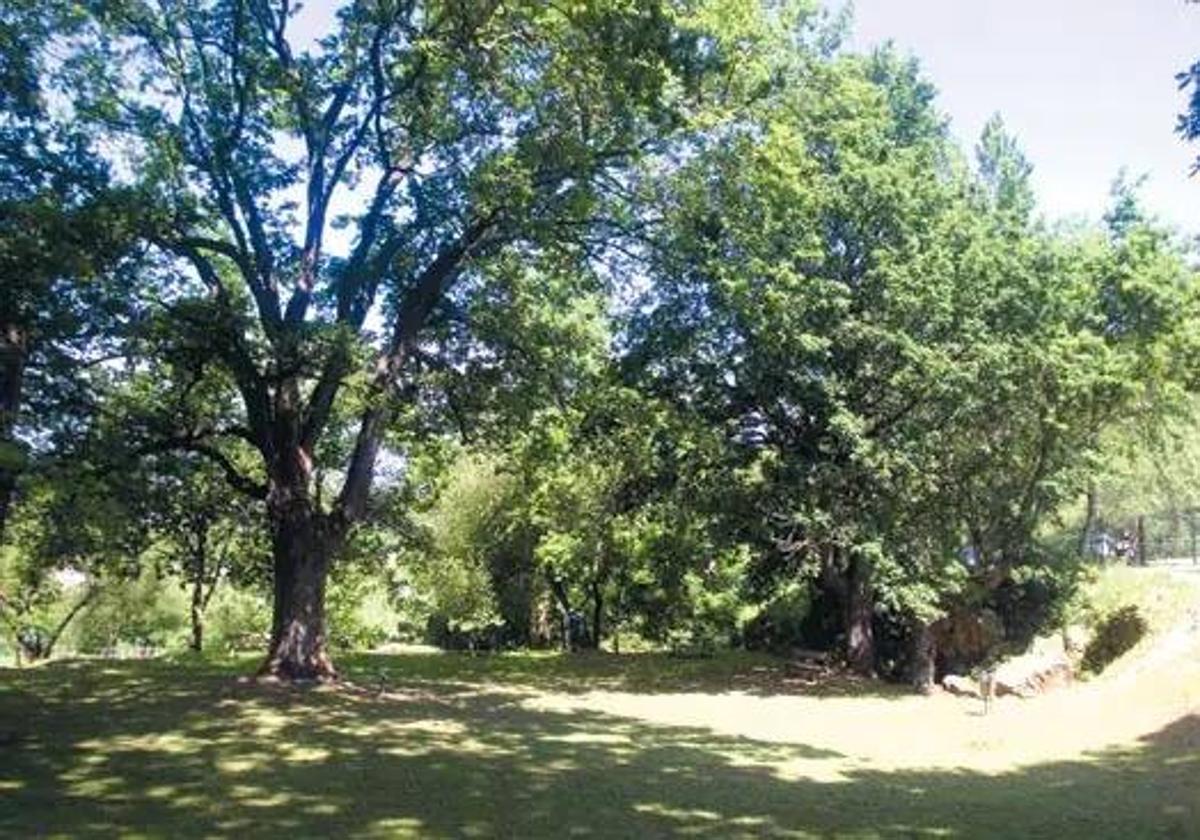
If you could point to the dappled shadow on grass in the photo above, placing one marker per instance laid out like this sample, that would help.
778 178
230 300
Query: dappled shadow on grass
188 751
643 673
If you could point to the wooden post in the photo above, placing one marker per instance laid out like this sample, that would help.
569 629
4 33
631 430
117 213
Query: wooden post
987 687
1192 526
1141 540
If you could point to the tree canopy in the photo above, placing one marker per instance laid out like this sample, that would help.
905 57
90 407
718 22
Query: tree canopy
561 320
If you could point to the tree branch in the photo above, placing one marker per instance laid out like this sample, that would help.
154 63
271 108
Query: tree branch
414 312
69 617
197 444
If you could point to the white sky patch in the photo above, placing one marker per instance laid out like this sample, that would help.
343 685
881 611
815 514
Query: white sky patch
1087 87
69 578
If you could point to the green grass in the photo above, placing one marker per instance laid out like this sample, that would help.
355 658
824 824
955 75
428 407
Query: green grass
588 746
645 673
1163 596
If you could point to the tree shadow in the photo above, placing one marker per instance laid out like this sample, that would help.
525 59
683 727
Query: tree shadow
163 751
642 673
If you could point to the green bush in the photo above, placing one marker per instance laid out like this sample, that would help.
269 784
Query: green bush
146 611
359 611
448 635
779 626
1162 598
1116 633
1038 598
238 619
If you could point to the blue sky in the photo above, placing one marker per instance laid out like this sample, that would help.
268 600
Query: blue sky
1087 87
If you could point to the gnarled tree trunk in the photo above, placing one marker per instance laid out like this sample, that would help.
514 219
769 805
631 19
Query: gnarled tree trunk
1142 549
304 544
860 613
199 571
597 616
47 649
922 657
564 606
1091 516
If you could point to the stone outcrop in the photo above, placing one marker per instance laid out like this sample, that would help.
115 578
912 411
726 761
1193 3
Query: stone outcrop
960 686
1075 640
1047 665
1041 670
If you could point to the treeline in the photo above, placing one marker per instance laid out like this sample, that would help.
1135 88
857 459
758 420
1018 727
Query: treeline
668 322
858 382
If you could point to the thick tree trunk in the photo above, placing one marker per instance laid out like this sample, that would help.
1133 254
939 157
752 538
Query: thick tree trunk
922 657
303 547
1142 548
597 616
13 352
860 612
199 569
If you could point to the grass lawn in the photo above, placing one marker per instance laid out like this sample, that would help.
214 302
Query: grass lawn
458 746
643 745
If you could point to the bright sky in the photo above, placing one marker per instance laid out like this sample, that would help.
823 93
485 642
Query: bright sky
1087 86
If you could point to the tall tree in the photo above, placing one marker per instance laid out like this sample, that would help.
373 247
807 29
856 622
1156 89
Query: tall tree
433 137
1187 124
804 305
63 232
905 363
204 531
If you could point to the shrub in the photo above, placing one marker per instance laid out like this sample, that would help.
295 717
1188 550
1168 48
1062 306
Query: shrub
360 613
447 635
238 619
1116 633
146 611
1037 598
780 624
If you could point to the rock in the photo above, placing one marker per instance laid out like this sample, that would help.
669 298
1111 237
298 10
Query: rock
1033 674
1075 640
1060 676
805 655
1049 647
960 686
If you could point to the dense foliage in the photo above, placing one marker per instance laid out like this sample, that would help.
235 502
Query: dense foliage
526 324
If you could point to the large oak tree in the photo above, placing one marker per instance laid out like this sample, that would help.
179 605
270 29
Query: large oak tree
325 195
